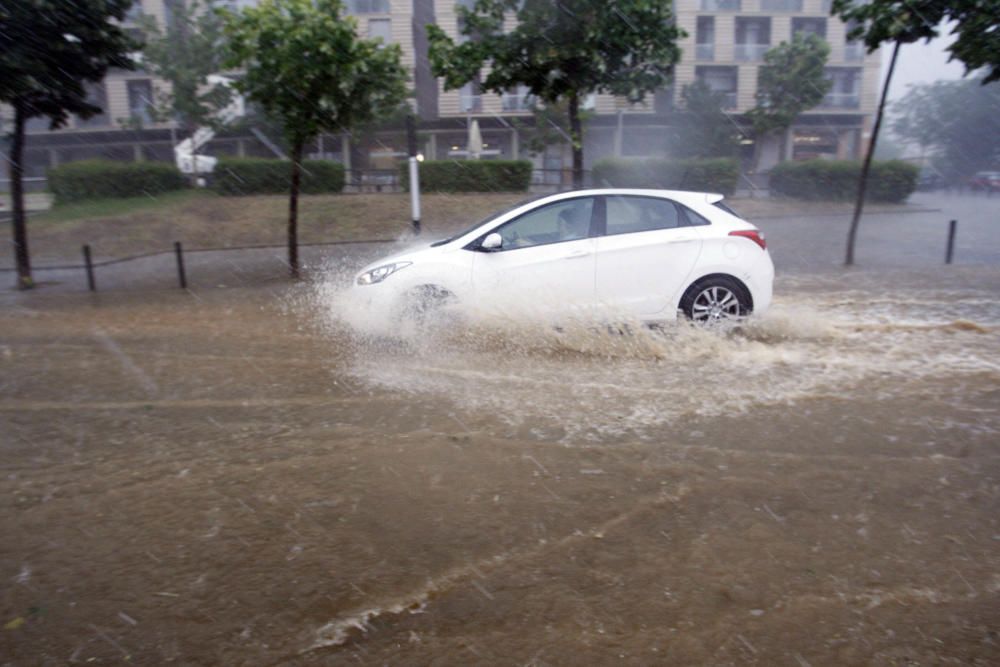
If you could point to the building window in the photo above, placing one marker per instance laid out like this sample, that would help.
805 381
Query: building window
854 51
97 95
720 5
140 100
470 98
809 26
720 80
753 38
368 6
781 5
380 29
517 99
845 93
809 144
704 48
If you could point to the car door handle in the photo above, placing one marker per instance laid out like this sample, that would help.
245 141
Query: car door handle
578 255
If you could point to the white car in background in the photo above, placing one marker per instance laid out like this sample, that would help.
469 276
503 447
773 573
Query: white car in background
646 254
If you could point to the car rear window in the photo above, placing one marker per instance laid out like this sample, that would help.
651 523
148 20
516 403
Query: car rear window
728 210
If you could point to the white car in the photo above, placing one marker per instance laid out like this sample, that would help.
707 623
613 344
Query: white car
645 254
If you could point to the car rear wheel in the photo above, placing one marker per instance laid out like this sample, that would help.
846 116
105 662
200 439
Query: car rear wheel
716 300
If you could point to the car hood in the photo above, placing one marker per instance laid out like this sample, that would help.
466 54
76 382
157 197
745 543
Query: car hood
414 253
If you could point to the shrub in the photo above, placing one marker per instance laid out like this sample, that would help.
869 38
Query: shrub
256 176
104 179
470 175
888 181
710 175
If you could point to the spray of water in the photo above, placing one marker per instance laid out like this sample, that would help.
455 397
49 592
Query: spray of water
593 376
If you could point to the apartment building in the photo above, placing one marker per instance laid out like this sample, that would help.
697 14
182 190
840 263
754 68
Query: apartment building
724 48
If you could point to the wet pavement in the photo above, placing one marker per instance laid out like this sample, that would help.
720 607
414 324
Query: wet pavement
233 476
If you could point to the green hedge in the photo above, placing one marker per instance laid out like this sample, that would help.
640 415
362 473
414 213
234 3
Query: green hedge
888 181
470 175
256 176
104 179
708 175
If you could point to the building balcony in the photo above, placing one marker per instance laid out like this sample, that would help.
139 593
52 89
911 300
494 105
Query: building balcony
841 101
854 52
781 5
704 52
468 103
513 102
749 52
720 5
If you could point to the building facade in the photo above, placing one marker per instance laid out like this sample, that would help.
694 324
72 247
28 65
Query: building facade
724 48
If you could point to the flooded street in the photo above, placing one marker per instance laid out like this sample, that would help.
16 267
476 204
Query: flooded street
234 476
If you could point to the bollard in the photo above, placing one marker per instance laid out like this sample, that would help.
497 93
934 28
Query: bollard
950 251
181 275
89 265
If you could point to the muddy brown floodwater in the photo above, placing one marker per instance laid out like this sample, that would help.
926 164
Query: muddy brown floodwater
235 477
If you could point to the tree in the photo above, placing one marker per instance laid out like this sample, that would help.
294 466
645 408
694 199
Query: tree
305 66
184 55
977 44
706 130
562 51
956 122
792 80
49 50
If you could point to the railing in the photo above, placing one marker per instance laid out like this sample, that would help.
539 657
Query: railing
470 102
750 52
704 51
842 100
781 5
721 5
854 52
513 102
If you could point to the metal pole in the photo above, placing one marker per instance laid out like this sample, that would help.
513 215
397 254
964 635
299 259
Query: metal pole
181 276
950 252
89 265
411 139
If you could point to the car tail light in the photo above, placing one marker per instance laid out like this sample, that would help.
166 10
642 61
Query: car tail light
752 234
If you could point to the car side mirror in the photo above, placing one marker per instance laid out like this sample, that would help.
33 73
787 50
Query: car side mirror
491 243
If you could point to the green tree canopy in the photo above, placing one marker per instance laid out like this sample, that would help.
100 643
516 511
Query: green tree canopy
706 130
305 66
49 51
957 122
791 80
976 27
562 51
977 44
185 54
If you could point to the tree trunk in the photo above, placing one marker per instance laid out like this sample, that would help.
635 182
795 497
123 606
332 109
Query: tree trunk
293 209
576 139
863 180
21 258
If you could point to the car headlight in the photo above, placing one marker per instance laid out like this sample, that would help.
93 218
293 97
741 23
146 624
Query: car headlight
380 273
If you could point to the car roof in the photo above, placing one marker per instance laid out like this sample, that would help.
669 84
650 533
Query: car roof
683 196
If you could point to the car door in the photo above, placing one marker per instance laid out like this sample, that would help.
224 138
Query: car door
646 253
546 260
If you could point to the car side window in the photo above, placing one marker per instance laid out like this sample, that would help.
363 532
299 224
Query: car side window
696 219
629 214
561 221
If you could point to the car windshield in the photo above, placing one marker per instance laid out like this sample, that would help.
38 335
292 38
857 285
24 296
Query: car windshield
489 218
